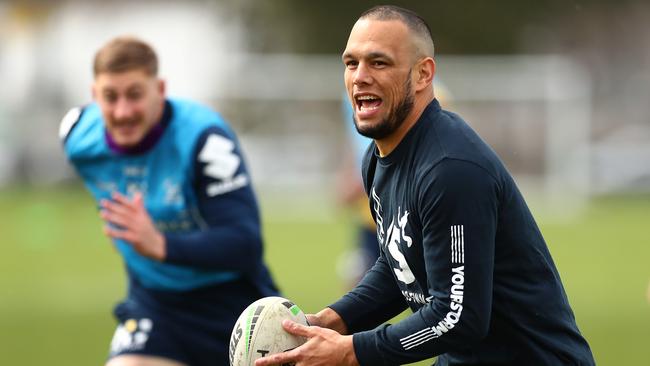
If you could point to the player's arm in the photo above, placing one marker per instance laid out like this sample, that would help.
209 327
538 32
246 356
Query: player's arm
231 238
457 206
374 300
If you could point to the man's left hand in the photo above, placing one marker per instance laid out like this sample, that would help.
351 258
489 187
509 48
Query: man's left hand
324 347
129 220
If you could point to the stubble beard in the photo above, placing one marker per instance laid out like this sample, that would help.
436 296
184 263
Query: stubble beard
394 119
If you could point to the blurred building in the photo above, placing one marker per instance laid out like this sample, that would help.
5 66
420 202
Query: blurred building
569 119
46 52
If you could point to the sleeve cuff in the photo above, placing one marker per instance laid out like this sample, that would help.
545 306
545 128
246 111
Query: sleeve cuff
365 349
172 254
343 308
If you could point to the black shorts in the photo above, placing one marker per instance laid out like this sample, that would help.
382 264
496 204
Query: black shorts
192 327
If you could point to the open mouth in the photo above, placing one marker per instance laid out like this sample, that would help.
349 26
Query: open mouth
367 102
124 127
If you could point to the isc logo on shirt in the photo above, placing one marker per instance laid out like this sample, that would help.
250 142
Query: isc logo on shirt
221 164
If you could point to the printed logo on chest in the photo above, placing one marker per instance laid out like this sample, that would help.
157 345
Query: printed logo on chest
393 238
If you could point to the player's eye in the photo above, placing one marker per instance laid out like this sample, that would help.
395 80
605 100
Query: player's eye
351 64
110 97
134 95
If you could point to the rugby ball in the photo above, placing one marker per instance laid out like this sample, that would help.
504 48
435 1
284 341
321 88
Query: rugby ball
258 331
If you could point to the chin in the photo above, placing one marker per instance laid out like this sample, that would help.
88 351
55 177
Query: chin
366 124
126 142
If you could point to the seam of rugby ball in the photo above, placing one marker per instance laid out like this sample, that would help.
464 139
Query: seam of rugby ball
249 319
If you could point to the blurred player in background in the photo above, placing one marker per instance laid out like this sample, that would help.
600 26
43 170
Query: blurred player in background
173 189
355 262
459 245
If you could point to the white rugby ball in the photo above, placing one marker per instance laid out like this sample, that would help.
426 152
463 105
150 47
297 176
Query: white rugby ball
258 331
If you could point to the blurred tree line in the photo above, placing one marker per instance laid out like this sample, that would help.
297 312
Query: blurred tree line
459 27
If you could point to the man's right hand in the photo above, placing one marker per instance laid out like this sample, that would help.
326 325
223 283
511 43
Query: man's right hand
328 318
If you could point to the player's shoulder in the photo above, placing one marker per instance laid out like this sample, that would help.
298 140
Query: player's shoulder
450 138
194 112
456 171
69 121
368 156
76 116
199 124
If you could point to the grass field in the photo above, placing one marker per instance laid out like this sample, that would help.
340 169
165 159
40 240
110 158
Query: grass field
61 277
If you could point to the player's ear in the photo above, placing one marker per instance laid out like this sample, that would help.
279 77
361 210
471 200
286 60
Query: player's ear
162 87
425 70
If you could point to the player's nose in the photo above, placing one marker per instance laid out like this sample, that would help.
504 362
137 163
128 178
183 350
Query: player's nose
123 109
362 74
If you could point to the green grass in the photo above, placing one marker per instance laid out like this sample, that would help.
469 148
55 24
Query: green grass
604 261
61 277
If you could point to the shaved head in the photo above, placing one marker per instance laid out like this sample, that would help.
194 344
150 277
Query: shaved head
420 31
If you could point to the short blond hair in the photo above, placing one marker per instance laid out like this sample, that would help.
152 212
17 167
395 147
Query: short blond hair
125 53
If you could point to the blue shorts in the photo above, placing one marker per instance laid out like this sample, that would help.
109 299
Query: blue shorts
192 327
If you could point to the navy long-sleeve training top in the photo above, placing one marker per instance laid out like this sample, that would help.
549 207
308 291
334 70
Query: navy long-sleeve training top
460 247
